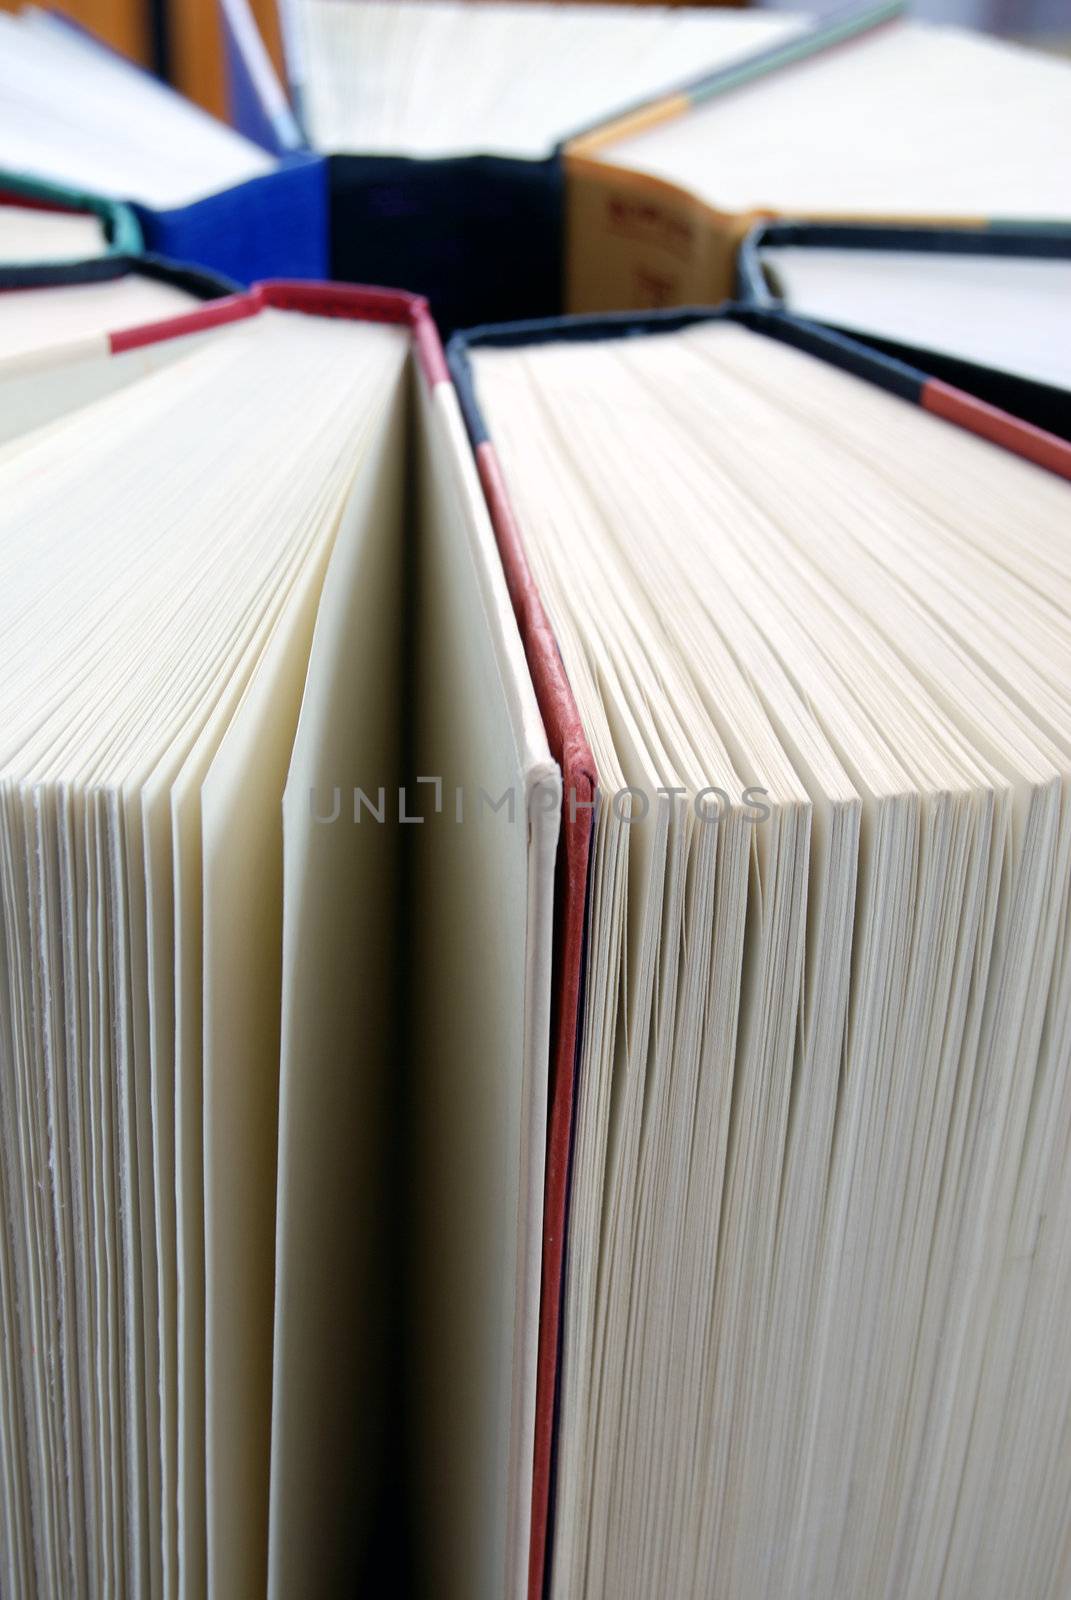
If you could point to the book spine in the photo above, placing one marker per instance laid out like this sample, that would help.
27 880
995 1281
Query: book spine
988 422
274 225
234 308
635 241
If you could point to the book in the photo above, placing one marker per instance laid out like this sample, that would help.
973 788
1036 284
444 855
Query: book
467 198
249 1021
89 304
813 1266
980 308
441 181
895 123
44 225
425 78
608 108
78 113
74 113
534 978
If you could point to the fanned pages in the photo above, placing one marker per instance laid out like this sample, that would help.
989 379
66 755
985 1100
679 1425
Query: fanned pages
434 77
73 112
36 324
818 1258
891 122
217 1020
483 871
997 310
899 123
31 233
122 717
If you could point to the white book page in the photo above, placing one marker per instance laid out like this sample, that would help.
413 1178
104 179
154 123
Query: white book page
338 1057
482 930
37 323
76 113
241 823
441 78
27 234
896 123
1008 312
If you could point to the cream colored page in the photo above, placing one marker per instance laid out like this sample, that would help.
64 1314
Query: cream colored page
543 803
339 1063
242 843
189 1182
160 937
27 234
108 1251
140 1066
480 974
40 319
87 1283
43 385
899 122
1008 312
133 1163
76 114
622 459
515 79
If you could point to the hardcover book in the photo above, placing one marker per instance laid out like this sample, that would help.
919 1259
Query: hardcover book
61 304
775 584
45 227
252 1018
893 121
981 308
666 133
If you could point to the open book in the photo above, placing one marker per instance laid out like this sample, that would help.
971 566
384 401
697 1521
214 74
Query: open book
44 226
983 308
275 1051
900 122
817 1265
669 132
993 298
92 306
260 202
444 78
74 112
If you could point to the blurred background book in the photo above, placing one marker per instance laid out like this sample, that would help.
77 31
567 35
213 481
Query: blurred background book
179 40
